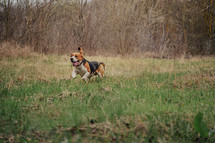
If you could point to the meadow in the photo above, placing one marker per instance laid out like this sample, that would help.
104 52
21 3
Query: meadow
138 100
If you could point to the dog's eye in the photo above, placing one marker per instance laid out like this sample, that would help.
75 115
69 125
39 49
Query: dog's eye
76 56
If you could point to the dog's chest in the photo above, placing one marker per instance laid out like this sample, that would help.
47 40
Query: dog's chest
81 70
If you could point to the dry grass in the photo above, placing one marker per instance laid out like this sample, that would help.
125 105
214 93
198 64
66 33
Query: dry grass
27 65
46 67
9 50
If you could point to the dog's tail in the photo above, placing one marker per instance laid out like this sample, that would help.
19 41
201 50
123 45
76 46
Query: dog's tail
103 64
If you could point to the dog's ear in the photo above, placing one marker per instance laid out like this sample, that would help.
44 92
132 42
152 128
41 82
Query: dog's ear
82 57
81 51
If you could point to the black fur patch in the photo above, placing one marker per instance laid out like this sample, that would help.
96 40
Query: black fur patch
93 65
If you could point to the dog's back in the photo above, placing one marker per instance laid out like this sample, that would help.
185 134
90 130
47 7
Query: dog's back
93 66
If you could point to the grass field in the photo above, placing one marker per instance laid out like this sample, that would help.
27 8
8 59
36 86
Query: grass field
139 100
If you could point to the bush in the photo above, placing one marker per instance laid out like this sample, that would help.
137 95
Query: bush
9 50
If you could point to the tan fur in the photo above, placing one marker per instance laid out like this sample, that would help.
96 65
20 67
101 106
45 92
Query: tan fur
78 56
102 65
87 66
100 70
81 51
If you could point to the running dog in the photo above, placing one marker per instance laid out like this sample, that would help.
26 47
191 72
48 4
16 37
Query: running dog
86 69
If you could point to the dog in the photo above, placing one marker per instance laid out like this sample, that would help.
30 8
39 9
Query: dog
86 69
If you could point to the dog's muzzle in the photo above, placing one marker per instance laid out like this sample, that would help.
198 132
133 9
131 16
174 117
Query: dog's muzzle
74 63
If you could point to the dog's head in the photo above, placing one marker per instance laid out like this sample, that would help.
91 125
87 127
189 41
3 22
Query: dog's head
77 58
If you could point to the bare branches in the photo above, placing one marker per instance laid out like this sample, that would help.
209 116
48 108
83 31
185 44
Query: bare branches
122 27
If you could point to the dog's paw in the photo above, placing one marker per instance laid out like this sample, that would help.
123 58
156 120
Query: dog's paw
85 79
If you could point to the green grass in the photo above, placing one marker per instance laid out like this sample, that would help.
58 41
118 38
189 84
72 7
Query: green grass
157 104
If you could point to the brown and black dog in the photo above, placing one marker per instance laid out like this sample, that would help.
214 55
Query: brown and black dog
86 69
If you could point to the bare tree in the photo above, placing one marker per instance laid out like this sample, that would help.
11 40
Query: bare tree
114 27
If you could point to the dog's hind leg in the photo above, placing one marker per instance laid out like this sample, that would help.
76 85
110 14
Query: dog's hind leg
100 75
100 72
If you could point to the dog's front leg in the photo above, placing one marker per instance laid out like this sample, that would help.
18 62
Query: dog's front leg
74 74
85 77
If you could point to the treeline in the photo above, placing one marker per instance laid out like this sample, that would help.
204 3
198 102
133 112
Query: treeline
111 27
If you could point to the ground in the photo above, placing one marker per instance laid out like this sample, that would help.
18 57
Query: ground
139 100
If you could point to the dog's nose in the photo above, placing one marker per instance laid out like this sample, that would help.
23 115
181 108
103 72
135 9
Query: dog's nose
71 59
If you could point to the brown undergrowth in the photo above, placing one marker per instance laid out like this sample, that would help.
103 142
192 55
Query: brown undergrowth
9 50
